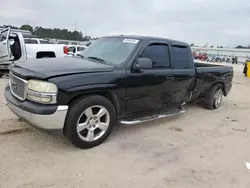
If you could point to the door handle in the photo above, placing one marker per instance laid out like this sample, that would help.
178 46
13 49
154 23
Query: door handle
4 43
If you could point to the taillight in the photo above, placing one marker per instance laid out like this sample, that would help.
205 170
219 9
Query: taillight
65 49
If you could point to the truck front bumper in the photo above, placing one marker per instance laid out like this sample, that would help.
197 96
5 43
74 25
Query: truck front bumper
39 115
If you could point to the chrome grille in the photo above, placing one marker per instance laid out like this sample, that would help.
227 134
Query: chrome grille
17 86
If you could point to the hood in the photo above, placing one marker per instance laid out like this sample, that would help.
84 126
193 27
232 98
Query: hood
52 67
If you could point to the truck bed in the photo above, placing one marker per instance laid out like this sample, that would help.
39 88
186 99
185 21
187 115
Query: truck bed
205 64
207 74
212 68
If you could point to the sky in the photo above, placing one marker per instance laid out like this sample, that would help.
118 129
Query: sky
216 22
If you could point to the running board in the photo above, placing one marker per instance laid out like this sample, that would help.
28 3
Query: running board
150 118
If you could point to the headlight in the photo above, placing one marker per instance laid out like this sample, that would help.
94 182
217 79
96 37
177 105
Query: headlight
41 91
41 86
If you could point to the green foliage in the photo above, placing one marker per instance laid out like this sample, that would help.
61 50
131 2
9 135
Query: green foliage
58 34
11 26
54 33
27 27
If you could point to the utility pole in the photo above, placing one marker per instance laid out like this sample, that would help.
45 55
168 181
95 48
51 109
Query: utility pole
75 25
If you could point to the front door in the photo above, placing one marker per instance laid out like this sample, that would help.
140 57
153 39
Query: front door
4 45
150 89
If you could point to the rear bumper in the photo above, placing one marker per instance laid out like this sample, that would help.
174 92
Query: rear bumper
45 117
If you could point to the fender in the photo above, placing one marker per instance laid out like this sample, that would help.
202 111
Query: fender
110 91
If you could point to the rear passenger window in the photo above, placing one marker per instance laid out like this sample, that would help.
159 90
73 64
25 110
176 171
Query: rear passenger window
181 57
159 55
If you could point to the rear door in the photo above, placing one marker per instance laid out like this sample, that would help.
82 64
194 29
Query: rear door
183 72
4 45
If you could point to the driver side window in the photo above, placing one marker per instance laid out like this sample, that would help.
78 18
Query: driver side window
158 54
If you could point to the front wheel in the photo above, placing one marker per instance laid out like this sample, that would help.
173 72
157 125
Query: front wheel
89 121
213 98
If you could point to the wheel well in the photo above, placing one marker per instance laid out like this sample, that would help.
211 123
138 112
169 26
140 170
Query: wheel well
222 84
107 94
45 54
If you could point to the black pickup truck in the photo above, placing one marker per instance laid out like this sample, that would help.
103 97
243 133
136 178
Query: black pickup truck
129 79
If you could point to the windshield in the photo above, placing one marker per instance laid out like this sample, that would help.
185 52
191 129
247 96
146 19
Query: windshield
111 50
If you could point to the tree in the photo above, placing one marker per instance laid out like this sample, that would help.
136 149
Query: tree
11 26
240 46
26 27
54 33
192 44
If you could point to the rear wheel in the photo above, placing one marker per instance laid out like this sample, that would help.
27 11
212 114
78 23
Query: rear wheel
89 121
213 97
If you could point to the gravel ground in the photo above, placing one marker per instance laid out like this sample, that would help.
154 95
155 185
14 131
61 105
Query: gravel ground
198 149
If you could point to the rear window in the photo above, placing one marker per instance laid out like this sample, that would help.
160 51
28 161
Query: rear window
182 57
30 41
63 42
44 42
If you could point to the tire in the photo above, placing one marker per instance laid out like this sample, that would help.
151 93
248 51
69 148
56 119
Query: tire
1 75
93 130
213 97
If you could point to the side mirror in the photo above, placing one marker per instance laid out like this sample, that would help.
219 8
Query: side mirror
143 63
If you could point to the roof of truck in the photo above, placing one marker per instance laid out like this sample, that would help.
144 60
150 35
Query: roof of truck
141 37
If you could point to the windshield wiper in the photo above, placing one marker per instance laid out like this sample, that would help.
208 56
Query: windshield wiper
97 59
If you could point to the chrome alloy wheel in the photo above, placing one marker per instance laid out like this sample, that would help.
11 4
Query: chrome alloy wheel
218 98
93 123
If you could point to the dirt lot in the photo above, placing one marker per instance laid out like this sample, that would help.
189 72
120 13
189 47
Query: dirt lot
198 149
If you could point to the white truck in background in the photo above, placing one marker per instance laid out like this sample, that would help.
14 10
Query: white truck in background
13 48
